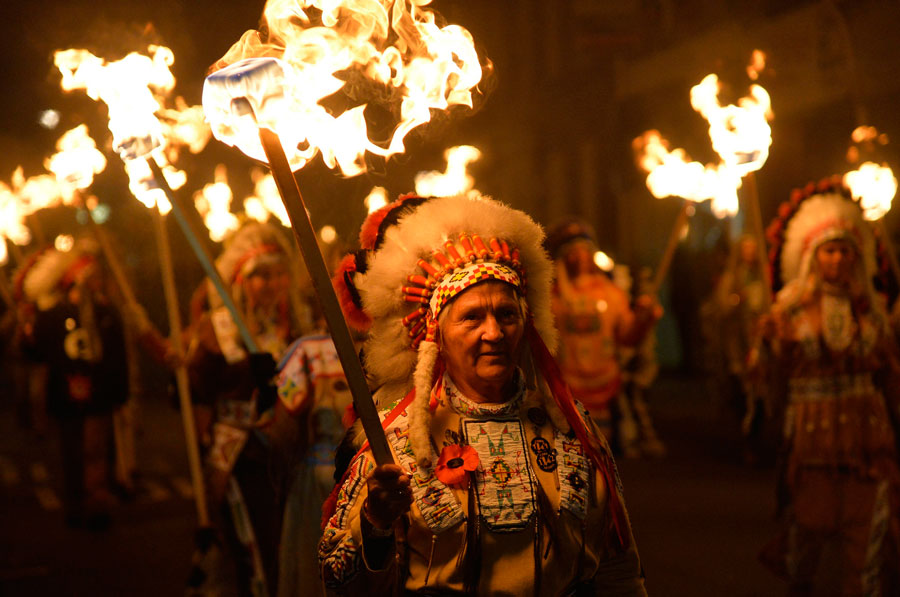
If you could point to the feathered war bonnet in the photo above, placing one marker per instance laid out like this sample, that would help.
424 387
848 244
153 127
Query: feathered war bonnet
814 215
416 255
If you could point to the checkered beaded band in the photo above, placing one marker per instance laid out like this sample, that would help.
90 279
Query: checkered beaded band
454 283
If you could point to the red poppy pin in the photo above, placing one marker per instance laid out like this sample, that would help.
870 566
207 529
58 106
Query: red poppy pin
455 462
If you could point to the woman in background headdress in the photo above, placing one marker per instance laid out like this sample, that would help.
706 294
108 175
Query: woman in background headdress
829 363
247 457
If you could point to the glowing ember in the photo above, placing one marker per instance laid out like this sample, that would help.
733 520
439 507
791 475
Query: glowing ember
64 243
672 174
214 204
315 53
757 64
76 162
604 261
455 180
874 187
376 199
328 234
265 200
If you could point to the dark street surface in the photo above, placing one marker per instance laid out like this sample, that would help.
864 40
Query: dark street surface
699 515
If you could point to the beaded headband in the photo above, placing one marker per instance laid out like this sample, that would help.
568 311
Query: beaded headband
449 273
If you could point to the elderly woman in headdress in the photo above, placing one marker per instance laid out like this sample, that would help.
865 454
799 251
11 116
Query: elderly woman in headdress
501 486
830 363
234 399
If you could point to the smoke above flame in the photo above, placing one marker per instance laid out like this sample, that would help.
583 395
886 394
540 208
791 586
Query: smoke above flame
740 135
315 67
455 180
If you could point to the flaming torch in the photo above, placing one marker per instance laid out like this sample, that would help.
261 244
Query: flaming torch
873 185
131 89
740 135
269 99
213 202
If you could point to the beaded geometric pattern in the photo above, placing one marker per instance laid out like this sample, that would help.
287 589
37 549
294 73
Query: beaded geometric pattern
503 482
451 271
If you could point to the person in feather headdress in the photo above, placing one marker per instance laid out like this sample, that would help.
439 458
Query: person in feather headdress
502 485
828 362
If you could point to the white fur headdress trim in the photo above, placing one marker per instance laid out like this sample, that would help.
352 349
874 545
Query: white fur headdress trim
819 219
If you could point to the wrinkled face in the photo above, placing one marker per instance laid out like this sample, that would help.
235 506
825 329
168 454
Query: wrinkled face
835 260
267 285
481 335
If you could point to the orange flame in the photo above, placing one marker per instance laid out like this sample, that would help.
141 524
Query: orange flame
455 180
740 134
874 187
376 199
391 50
265 200
76 162
672 174
12 221
134 90
214 204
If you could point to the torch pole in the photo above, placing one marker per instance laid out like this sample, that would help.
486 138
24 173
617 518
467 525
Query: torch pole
204 258
115 265
306 239
181 375
666 262
751 197
16 252
6 294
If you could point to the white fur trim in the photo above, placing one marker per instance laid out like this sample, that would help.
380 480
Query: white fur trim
812 220
420 415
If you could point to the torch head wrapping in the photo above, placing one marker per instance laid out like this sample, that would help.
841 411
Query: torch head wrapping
246 95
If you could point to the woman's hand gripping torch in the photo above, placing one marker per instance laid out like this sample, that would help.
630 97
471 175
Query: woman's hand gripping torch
250 94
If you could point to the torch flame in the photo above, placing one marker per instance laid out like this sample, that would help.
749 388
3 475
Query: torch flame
76 162
740 134
874 187
265 200
455 180
672 174
214 204
134 89
376 199
12 221
391 50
